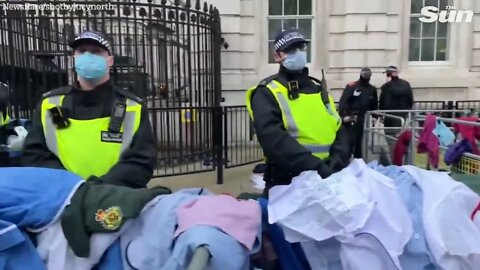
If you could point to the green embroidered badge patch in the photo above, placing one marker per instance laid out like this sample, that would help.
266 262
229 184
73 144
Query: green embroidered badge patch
111 219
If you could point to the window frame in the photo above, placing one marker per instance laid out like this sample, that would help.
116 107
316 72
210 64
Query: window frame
449 40
297 17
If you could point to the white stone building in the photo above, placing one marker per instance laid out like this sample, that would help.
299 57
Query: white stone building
441 60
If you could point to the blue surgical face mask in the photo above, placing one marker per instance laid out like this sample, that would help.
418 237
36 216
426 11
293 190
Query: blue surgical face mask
295 61
91 67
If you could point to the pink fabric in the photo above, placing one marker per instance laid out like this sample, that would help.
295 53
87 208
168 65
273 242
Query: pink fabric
428 142
469 132
476 216
239 219
401 147
474 213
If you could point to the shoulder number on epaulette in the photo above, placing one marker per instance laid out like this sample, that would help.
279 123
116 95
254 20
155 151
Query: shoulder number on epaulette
263 83
57 92
47 94
125 91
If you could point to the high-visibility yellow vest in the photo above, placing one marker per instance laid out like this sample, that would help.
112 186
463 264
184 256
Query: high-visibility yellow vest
86 147
4 119
312 123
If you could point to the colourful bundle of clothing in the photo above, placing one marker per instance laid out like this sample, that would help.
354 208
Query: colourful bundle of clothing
434 134
77 225
469 132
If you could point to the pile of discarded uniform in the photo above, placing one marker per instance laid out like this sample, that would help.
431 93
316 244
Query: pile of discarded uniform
375 217
51 219
363 217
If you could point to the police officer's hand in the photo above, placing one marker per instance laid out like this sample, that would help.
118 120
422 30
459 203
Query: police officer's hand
325 172
332 165
329 167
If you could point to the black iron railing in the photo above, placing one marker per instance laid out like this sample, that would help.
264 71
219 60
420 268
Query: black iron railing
166 52
242 148
468 105
240 143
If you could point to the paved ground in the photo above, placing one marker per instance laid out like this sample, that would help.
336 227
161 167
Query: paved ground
236 181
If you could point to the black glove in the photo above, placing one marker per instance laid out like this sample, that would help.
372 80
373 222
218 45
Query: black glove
325 173
325 169
335 165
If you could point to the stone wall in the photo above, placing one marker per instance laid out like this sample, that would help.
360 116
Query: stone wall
347 35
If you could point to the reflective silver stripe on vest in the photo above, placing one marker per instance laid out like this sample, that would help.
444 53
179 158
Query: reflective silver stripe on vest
131 103
318 148
332 112
292 126
128 123
50 128
272 85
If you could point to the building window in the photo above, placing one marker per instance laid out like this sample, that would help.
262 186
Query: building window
286 14
428 41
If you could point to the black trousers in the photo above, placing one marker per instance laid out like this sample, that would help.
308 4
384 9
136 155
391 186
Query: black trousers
355 134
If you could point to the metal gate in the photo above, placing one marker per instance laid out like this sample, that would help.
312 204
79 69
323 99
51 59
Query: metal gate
167 52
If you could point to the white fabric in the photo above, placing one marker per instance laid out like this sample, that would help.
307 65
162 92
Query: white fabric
258 182
379 139
453 238
15 142
315 209
365 251
312 209
389 223
56 254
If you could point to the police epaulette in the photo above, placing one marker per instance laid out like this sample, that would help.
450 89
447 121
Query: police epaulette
58 91
266 81
124 91
263 83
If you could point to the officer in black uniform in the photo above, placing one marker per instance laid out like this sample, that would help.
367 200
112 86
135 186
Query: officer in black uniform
358 97
94 96
286 158
396 95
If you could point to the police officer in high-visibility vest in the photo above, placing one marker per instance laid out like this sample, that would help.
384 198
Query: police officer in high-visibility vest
93 128
4 99
4 119
295 118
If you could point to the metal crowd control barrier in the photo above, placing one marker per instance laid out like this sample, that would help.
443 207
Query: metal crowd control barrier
468 165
